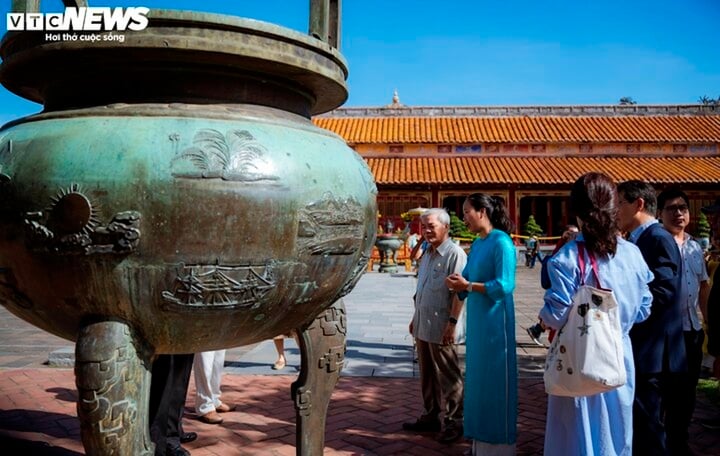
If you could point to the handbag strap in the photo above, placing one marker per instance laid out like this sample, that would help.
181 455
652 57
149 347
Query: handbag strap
593 264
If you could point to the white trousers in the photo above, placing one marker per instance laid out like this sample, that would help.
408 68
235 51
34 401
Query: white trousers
208 367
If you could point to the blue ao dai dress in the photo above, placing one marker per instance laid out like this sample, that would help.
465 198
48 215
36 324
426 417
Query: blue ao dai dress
598 425
491 364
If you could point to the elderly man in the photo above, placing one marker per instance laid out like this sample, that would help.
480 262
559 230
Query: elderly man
658 343
437 311
674 210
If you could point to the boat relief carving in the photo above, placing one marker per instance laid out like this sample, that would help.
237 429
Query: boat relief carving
221 286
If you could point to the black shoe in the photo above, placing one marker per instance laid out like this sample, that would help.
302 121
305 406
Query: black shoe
535 332
422 426
188 437
451 434
176 451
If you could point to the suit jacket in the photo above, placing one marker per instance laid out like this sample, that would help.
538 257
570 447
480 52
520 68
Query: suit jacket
658 343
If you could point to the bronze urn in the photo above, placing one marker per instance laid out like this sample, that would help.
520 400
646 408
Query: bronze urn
175 197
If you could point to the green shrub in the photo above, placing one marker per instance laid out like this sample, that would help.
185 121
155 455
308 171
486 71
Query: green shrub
458 229
531 228
702 230
711 390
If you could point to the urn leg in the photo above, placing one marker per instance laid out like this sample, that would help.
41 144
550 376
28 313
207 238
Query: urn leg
322 351
112 375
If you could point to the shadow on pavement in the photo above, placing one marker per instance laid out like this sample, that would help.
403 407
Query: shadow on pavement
11 446
64 394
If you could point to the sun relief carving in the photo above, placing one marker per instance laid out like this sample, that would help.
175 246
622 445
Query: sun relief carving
70 226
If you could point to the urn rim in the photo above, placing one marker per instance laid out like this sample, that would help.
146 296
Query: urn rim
171 58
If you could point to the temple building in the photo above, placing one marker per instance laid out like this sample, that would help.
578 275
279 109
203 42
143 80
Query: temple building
434 156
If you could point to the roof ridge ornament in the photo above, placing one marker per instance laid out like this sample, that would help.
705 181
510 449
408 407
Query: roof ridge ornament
395 101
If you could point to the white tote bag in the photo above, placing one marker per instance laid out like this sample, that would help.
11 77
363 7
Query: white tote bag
586 356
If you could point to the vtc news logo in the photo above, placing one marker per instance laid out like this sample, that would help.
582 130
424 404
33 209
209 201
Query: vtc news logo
83 19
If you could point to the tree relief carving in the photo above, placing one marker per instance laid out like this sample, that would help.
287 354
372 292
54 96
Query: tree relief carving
235 156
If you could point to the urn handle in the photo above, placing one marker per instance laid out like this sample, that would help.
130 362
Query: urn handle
325 21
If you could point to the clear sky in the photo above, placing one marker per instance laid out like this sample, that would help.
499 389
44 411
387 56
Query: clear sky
507 52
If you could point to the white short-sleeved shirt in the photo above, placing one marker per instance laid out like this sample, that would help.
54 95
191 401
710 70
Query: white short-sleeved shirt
694 273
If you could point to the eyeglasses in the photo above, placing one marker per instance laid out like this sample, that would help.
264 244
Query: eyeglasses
676 207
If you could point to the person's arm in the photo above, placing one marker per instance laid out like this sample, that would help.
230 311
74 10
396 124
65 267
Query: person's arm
664 260
646 298
458 281
504 258
456 267
564 283
703 278
703 298
418 250
544 274
453 321
504 282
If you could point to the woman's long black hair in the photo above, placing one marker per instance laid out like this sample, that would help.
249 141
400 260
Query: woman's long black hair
594 200
494 208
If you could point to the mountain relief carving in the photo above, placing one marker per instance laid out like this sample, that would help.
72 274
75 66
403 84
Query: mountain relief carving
331 226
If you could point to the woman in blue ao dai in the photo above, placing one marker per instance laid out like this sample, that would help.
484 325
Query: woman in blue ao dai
491 368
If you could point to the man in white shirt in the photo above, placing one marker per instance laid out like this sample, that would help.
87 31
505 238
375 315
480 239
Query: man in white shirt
434 325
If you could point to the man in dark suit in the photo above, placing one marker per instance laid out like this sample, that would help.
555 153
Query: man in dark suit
168 388
658 343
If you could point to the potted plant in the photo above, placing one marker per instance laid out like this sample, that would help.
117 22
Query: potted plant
702 231
532 228
532 244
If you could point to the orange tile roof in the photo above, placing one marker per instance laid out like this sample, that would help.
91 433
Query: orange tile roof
542 170
533 130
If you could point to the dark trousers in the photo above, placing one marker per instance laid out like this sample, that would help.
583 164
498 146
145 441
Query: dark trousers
648 428
530 259
658 412
441 382
168 388
679 403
